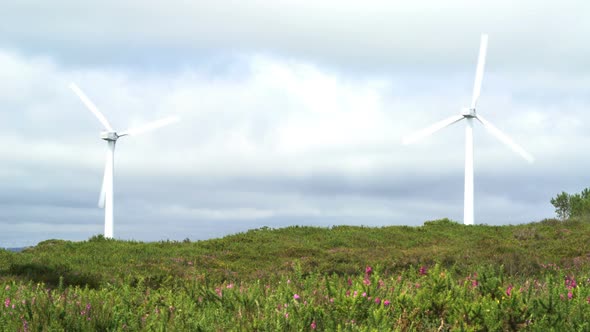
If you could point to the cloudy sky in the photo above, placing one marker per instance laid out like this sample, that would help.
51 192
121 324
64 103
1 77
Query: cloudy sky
292 113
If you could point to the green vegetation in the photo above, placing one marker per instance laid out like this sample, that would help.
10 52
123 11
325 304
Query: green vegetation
572 206
440 276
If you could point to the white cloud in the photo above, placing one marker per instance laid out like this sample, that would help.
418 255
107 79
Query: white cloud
292 111
375 34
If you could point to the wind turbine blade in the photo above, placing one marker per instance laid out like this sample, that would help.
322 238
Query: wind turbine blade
90 105
101 198
103 189
432 129
103 192
481 62
505 139
150 126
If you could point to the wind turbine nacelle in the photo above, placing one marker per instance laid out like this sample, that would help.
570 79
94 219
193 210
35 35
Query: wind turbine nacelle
468 112
109 136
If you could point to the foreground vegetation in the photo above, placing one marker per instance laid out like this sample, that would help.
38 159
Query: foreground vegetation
421 299
441 276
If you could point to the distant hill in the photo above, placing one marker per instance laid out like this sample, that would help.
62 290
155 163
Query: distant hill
15 249
267 253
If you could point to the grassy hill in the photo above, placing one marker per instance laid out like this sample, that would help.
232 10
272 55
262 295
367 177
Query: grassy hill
442 276
268 253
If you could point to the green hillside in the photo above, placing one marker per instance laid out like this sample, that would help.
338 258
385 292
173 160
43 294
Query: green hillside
343 250
441 276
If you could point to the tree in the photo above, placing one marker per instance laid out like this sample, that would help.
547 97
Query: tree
580 204
568 206
562 205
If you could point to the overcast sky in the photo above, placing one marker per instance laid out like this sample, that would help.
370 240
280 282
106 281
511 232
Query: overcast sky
292 113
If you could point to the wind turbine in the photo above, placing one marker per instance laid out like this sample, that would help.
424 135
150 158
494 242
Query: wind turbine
470 114
111 136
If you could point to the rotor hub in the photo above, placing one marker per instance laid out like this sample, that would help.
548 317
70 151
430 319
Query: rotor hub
468 112
109 135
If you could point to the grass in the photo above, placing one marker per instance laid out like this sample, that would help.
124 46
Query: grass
442 275
265 253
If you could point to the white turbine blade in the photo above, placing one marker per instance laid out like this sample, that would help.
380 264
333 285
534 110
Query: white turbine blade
90 105
481 62
103 192
150 126
432 129
505 139
103 188
105 178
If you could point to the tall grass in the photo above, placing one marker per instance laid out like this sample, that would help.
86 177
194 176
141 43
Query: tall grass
440 276
421 299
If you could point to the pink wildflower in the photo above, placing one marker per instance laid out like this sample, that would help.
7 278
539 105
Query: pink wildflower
368 270
296 297
509 290
364 294
423 270
386 303
570 295
377 300
570 282
367 281
7 302
313 325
